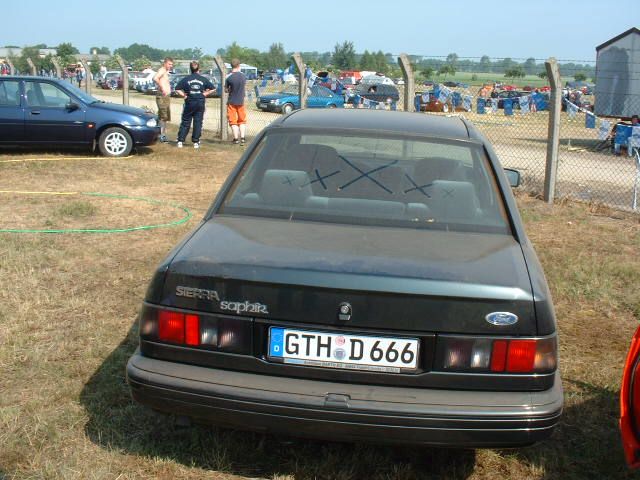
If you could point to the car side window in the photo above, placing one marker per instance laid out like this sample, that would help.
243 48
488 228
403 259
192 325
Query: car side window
9 93
43 94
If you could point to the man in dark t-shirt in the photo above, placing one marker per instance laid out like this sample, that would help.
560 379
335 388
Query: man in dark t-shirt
194 89
234 85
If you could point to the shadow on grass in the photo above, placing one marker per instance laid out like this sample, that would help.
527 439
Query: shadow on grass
587 442
116 422
71 151
585 445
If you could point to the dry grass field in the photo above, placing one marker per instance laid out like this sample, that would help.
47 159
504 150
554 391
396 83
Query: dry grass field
68 305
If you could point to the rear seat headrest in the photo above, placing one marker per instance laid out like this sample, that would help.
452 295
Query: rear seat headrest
306 157
437 168
454 200
286 188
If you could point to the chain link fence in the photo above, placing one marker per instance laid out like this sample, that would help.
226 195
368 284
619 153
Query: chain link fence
596 159
507 99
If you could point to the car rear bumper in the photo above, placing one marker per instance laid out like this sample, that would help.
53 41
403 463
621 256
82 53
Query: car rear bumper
346 412
269 107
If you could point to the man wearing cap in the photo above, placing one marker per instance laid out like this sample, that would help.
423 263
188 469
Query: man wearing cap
194 89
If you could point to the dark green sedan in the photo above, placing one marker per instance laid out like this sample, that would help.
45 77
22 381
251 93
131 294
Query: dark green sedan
362 275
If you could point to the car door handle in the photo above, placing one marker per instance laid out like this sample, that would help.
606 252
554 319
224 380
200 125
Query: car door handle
35 112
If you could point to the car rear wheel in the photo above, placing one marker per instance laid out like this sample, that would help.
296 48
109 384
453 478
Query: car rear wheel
115 142
287 108
331 106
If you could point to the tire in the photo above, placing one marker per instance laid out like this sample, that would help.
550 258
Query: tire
331 106
287 108
115 142
445 108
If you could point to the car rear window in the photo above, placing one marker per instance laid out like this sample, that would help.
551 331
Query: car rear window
369 180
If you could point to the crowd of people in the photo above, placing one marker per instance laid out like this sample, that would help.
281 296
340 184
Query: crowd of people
195 88
75 73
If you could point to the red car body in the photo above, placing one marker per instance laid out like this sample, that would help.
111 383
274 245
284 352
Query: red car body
357 76
630 404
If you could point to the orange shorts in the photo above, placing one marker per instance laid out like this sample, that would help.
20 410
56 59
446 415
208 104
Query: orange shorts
236 114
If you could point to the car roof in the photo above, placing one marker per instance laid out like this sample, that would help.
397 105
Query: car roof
28 77
377 120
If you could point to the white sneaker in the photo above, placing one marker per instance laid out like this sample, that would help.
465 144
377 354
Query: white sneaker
196 145
179 145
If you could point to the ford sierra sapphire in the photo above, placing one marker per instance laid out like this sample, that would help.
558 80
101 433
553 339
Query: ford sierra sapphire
361 276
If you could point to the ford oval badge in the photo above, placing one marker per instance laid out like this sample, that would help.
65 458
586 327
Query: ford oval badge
501 318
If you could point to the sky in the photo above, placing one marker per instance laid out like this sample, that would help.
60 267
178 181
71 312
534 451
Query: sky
566 29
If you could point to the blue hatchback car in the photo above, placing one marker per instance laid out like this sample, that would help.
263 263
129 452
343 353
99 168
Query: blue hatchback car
47 111
288 100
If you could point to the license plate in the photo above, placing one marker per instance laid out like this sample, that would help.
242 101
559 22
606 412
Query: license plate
337 350
263 105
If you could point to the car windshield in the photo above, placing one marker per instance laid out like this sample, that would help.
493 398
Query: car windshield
369 179
81 94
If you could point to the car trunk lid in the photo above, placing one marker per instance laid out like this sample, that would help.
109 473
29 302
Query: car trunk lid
394 279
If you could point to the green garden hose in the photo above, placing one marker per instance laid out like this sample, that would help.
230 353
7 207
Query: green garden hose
180 221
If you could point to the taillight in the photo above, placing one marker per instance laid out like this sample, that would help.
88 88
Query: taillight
217 332
499 355
630 404
191 329
171 326
521 355
496 355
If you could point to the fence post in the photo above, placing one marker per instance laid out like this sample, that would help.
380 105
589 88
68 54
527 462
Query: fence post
88 77
56 65
12 69
302 79
224 133
409 82
553 135
32 66
125 79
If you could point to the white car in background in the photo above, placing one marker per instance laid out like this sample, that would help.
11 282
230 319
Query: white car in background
376 80
140 78
109 74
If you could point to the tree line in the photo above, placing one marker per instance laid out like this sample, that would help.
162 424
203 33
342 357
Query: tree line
343 57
